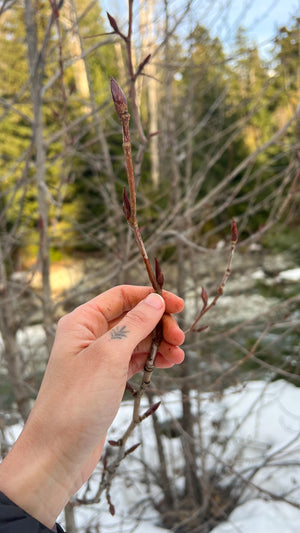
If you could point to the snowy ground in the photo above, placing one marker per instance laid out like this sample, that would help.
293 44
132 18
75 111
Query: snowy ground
263 421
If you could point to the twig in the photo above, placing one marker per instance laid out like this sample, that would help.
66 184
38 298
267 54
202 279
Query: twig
220 290
157 279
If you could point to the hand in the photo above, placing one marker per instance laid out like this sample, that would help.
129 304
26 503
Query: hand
97 348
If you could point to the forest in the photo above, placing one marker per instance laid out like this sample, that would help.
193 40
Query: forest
214 126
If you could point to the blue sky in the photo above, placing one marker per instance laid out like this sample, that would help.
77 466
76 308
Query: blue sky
261 18
265 16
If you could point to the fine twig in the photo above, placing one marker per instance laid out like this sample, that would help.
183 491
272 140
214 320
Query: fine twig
220 289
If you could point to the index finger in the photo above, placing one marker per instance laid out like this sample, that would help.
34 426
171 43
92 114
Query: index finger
96 314
118 300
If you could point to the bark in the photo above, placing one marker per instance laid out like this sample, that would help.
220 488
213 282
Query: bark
36 62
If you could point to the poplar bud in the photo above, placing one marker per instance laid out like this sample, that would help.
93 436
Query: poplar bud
126 205
234 232
114 442
119 98
150 411
142 64
158 274
113 23
132 449
204 297
112 509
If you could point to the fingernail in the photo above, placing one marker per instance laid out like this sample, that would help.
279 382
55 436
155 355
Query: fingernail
155 300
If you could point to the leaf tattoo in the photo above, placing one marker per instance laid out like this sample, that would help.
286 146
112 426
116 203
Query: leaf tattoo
119 333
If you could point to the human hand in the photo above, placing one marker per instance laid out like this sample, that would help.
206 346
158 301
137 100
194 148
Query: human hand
97 348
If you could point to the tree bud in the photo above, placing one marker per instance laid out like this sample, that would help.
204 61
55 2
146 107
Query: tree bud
150 411
234 231
126 205
132 449
158 274
113 23
119 98
204 297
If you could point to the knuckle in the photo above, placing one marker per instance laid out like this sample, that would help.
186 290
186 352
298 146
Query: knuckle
64 322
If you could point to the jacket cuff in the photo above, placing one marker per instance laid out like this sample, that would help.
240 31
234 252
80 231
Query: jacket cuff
13 519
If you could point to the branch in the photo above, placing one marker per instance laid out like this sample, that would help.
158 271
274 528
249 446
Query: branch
220 290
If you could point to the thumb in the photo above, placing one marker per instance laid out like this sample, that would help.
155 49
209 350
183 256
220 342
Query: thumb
138 323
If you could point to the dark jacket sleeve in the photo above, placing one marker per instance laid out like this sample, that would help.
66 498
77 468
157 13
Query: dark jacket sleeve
14 520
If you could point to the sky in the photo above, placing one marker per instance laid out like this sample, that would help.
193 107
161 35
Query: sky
261 18
264 17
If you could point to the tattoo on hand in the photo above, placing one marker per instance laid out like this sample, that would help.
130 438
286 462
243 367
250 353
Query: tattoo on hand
119 333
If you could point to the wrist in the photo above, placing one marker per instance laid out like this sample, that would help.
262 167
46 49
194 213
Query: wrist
33 479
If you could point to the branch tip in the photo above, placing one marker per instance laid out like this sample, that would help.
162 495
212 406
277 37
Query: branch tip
114 442
158 274
150 411
113 23
204 297
118 97
112 509
234 232
142 64
132 449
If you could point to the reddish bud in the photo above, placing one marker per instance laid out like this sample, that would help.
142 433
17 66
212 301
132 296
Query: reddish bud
154 133
126 205
54 8
204 297
234 232
104 459
41 223
150 411
202 328
130 388
132 449
112 509
113 23
158 274
114 442
142 64
118 97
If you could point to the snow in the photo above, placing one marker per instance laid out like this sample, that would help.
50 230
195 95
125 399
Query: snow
259 516
258 421
289 275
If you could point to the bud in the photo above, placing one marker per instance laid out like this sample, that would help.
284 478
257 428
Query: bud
234 232
204 297
126 205
158 274
142 64
130 388
119 98
112 509
150 411
202 328
114 442
132 449
113 23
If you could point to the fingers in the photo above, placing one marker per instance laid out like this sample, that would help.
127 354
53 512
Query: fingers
171 331
166 357
169 353
118 300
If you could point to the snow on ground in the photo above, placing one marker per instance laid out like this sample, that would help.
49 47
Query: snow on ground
292 274
259 516
259 423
